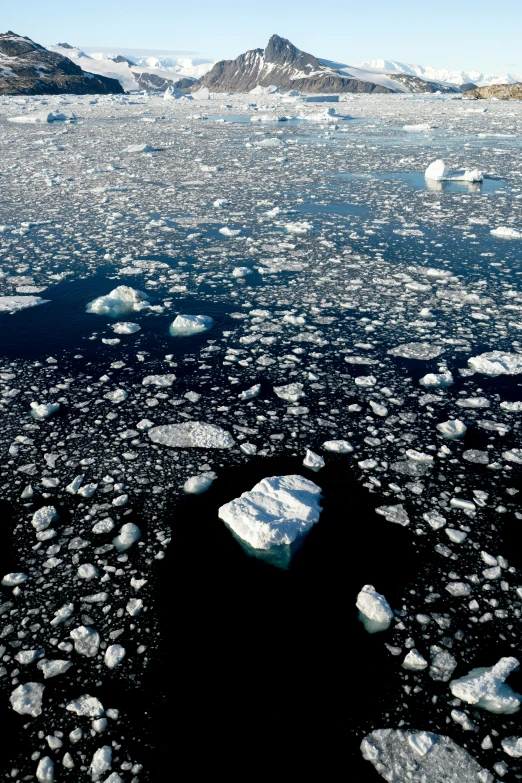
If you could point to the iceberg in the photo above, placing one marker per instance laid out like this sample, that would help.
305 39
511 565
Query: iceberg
13 304
187 325
120 300
496 363
277 511
438 172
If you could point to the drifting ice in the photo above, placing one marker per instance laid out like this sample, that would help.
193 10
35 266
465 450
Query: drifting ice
275 512
122 299
186 325
437 171
191 435
486 687
375 612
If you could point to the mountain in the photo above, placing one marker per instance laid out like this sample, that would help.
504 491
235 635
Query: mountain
26 68
443 75
504 92
137 73
284 66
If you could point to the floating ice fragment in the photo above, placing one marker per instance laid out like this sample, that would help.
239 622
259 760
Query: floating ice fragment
301 227
191 434
241 271
86 707
162 381
27 699
437 171
365 381
512 746
44 410
249 394
54 668
338 446
452 429
196 485
43 518
114 655
420 351
275 512
512 407
514 455
126 327
414 661
291 393
497 363
116 396
313 461
13 304
506 232
187 325
129 534
101 762
419 456
139 148
395 514
229 232
375 611
45 770
486 687
120 300
437 380
14 579
458 589
86 640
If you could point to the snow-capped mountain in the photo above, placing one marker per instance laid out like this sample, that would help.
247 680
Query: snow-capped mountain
439 74
136 73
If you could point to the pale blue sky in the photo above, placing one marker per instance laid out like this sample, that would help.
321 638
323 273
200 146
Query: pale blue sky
463 34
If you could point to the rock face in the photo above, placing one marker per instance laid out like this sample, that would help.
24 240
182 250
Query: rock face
504 92
284 66
26 68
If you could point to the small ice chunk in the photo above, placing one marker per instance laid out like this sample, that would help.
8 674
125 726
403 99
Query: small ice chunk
485 687
43 518
45 770
506 232
14 579
458 589
27 699
250 394
419 456
187 325
162 381
196 485
313 461
443 664
338 446
86 640
275 512
437 380
513 455
375 611
138 148
291 393
438 172
414 661
44 410
452 429
241 271
512 746
114 655
419 351
397 514
54 668
86 707
101 762
128 535
126 327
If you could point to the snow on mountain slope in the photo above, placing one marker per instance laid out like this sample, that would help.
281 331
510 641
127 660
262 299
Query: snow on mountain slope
170 68
439 74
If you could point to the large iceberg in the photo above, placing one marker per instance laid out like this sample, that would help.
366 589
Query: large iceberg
421 757
120 300
191 435
186 325
275 512
438 172
486 687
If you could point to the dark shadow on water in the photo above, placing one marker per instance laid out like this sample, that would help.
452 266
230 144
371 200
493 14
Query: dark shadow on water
268 660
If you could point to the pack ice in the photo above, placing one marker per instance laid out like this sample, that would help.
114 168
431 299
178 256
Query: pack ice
421 757
191 435
274 512
120 300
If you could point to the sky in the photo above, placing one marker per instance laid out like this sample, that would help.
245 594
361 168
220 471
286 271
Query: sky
457 34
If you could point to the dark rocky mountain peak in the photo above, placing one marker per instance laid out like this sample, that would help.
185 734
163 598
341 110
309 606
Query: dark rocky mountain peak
27 68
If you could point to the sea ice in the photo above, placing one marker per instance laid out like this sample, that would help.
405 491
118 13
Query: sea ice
139 148
126 327
275 512
45 770
506 232
114 655
497 363
338 446
44 410
191 435
375 611
421 757
128 535
186 325
420 351
486 687
436 380
27 699
120 300
196 485
397 514
13 304
452 429
313 461
291 393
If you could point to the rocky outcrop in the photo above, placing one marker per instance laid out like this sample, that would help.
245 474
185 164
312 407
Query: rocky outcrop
504 92
284 66
26 68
